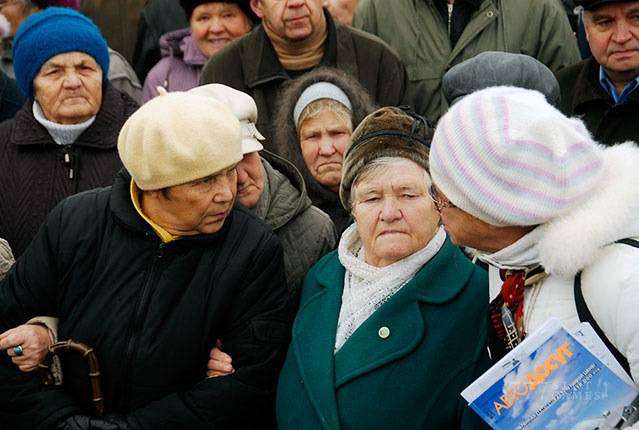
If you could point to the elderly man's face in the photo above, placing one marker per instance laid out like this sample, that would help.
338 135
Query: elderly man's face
613 34
250 180
68 88
293 20
323 139
214 25
394 214
197 207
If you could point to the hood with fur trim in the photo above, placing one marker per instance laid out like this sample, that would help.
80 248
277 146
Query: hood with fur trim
575 240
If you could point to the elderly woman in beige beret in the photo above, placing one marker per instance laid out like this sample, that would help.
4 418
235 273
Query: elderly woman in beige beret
149 273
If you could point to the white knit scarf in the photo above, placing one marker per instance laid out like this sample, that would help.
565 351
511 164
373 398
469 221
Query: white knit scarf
366 287
62 134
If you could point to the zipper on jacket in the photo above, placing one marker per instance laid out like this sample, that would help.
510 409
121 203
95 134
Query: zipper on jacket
70 161
141 309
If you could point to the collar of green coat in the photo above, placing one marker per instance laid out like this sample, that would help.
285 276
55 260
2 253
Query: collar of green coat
267 66
438 282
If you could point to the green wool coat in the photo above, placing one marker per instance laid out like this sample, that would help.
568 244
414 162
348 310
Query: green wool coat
405 365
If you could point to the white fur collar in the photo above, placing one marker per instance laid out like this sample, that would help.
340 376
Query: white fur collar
575 240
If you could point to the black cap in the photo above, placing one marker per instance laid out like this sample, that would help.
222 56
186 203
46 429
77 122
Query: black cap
190 5
594 4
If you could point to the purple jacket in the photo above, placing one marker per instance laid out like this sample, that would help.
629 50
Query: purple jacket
180 67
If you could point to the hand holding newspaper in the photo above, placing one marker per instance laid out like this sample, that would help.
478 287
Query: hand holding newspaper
556 379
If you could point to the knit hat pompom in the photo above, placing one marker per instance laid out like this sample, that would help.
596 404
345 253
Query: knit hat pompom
177 138
55 31
507 157
42 4
387 132
190 5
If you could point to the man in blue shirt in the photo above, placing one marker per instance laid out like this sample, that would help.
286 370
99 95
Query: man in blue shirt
604 90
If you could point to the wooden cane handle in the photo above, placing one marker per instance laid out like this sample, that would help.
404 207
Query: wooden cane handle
94 368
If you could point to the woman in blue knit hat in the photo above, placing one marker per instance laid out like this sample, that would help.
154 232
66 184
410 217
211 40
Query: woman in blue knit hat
14 12
63 140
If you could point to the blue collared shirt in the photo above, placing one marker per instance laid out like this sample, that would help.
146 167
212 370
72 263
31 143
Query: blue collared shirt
609 87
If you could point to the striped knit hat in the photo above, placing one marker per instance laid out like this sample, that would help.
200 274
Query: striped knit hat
507 157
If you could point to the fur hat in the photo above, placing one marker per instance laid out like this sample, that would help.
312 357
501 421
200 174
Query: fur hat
387 132
55 31
190 5
177 138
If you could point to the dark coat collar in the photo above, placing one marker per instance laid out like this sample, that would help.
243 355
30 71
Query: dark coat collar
439 282
266 67
588 90
102 134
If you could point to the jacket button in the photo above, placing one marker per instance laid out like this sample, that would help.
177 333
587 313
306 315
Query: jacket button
384 332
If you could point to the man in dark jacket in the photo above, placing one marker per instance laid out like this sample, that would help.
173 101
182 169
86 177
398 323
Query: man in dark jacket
11 99
149 272
604 90
294 38
63 140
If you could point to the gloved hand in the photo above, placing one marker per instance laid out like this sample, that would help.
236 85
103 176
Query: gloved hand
86 422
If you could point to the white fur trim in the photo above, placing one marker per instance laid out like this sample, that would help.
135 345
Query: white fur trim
575 240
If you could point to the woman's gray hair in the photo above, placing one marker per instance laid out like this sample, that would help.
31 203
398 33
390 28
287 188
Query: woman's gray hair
377 166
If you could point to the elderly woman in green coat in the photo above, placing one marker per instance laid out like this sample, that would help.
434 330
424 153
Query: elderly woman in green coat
392 325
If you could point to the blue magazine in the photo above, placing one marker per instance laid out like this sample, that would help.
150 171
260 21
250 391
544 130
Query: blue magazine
550 382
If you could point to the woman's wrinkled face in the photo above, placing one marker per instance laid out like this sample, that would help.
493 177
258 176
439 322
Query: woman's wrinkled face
394 214
197 207
214 25
323 139
68 88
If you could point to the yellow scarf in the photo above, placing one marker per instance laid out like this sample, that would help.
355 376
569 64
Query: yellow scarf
299 55
164 235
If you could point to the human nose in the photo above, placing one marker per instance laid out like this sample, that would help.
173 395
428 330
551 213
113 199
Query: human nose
621 34
390 210
295 3
326 147
71 80
216 26
224 192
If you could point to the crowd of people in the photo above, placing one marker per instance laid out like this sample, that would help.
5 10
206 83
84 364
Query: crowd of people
306 214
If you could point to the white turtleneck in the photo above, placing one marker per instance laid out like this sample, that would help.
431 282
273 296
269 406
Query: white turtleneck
62 134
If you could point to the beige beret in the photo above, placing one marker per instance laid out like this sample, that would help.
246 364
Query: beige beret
177 138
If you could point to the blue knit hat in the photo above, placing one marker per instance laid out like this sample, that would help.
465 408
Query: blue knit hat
51 32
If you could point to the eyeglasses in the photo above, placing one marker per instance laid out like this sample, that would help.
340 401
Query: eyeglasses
440 201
